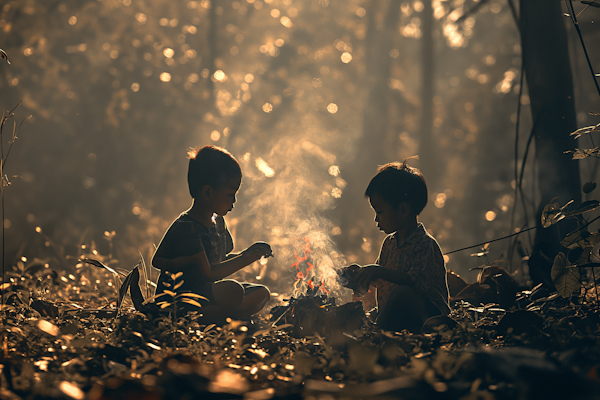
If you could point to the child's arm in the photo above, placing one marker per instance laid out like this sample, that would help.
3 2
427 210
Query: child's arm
216 271
372 272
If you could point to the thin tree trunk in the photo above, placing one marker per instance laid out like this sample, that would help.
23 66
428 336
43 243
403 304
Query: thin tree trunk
550 84
427 150
383 17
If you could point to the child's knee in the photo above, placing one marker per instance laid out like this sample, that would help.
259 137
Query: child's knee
263 293
228 293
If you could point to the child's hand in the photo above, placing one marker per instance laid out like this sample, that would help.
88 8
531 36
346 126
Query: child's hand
257 251
367 274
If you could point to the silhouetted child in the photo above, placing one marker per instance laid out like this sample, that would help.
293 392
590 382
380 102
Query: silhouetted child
198 243
408 280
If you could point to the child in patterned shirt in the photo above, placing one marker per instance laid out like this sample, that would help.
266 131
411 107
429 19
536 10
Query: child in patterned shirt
408 281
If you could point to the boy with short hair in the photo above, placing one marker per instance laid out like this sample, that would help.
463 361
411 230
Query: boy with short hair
199 245
409 276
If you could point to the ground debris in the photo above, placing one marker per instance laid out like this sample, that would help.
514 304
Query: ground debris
543 347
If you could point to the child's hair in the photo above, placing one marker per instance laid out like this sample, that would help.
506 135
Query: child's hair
211 165
397 183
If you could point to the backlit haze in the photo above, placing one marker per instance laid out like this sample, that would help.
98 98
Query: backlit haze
311 96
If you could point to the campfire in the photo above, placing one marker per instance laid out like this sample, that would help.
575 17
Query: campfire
311 308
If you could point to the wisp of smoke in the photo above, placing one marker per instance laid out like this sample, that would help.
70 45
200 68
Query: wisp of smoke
288 196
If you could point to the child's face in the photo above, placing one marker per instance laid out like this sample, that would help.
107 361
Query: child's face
223 198
389 219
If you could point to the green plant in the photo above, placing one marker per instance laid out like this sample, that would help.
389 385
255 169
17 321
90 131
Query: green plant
176 298
4 179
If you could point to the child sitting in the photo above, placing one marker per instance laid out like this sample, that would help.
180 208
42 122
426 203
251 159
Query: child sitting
409 277
198 243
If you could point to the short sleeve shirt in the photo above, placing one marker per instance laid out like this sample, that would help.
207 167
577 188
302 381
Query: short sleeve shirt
421 258
186 237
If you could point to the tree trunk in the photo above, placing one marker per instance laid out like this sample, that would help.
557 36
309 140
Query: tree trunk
550 84
430 165
383 17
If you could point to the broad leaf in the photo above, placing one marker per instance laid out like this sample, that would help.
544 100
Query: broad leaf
565 277
124 287
99 264
588 187
179 284
192 302
573 239
192 295
586 206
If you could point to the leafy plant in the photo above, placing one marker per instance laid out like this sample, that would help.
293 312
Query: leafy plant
576 269
4 179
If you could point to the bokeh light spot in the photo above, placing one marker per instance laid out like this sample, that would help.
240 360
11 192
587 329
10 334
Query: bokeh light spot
168 52
69 388
141 18
285 21
215 136
267 107
264 168
219 75
336 192
332 108
135 87
72 20
346 57
275 13
490 215
334 170
165 77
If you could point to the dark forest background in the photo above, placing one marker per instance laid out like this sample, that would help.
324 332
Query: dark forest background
310 96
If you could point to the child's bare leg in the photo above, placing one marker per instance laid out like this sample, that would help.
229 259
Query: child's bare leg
228 296
405 309
254 301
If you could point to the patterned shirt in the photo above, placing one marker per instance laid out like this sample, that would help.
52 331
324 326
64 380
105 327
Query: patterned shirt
186 237
421 258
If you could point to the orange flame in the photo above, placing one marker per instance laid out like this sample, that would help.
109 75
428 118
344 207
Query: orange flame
306 277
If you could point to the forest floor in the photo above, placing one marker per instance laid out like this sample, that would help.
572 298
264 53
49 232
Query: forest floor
64 337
